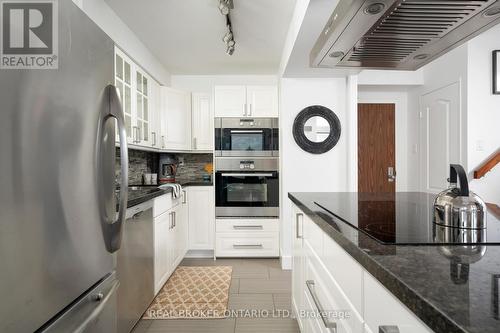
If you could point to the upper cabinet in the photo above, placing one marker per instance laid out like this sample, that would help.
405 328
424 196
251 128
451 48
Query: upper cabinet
262 101
246 101
230 101
202 122
175 119
134 87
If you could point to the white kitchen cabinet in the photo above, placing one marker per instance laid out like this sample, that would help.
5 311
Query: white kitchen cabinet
202 122
298 279
163 250
262 101
201 207
230 101
170 236
155 127
175 119
392 313
246 101
340 283
134 87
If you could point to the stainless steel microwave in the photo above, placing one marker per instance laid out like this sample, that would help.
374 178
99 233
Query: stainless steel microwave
241 137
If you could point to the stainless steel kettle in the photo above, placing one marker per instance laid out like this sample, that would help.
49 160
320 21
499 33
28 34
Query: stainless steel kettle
457 207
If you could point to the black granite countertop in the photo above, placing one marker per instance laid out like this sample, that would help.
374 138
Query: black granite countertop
138 194
420 276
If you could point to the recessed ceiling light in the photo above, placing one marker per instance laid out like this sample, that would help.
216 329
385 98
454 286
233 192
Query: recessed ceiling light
421 56
490 12
336 54
374 8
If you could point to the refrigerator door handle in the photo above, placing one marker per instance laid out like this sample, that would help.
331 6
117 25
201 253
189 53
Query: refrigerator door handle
112 226
103 300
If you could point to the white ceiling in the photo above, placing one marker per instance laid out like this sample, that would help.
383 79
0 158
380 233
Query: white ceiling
186 35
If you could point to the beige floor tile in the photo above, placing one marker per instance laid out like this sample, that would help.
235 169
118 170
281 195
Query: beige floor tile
266 325
250 272
282 302
235 286
192 326
260 286
251 302
142 326
278 273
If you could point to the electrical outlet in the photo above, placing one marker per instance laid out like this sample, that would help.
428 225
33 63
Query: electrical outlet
479 145
181 160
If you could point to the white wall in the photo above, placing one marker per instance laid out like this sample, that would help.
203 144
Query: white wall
125 38
301 171
483 113
399 97
205 83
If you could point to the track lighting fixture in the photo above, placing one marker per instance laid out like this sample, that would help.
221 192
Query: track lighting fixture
224 7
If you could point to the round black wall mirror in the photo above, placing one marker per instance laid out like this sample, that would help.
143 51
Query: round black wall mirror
316 129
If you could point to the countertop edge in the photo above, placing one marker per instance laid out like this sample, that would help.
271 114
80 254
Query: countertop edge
151 196
425 311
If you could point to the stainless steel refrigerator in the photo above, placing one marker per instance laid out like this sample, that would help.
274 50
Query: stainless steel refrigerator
59 228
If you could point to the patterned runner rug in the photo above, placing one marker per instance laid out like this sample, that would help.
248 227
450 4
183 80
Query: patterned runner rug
193 292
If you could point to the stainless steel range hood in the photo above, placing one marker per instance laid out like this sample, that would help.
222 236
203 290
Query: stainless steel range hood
399 34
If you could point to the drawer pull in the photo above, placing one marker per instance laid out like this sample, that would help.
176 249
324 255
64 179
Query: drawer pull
388 329
330 325
298 232
248 227
247 246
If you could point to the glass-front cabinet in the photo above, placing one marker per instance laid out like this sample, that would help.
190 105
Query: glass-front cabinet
134 87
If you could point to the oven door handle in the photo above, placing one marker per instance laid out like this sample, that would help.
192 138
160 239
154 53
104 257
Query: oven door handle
247 175
246 131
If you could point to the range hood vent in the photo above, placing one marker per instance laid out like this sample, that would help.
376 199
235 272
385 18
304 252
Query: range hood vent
399 34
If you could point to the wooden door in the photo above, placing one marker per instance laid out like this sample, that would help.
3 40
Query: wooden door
376 148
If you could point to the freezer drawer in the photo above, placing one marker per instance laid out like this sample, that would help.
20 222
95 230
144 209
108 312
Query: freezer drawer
94 312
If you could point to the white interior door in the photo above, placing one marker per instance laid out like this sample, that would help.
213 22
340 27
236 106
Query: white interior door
440 136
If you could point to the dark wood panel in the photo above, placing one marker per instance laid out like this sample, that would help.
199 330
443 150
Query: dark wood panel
376 147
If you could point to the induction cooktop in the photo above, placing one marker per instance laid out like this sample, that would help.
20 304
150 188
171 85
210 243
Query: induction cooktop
403 218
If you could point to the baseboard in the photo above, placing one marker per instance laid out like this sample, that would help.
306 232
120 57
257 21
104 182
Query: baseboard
200 254
286 262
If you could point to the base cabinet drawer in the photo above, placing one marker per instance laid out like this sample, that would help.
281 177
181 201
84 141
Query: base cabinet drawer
328 297
250 244
246 225
382 309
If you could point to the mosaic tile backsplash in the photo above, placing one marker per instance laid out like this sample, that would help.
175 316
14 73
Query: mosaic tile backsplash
141 162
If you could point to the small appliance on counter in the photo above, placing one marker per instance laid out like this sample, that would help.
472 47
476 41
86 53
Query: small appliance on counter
168 169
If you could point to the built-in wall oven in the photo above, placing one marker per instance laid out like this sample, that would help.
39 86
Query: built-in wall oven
246 137
246 187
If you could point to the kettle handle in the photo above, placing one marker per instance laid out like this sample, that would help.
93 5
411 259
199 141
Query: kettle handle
457 169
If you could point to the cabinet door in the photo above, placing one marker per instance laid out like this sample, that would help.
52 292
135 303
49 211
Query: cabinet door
183 224
177 119
123 82
161 240
230 101
392 313
155 112
298 278
201 217
203 123
143 117
262 101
